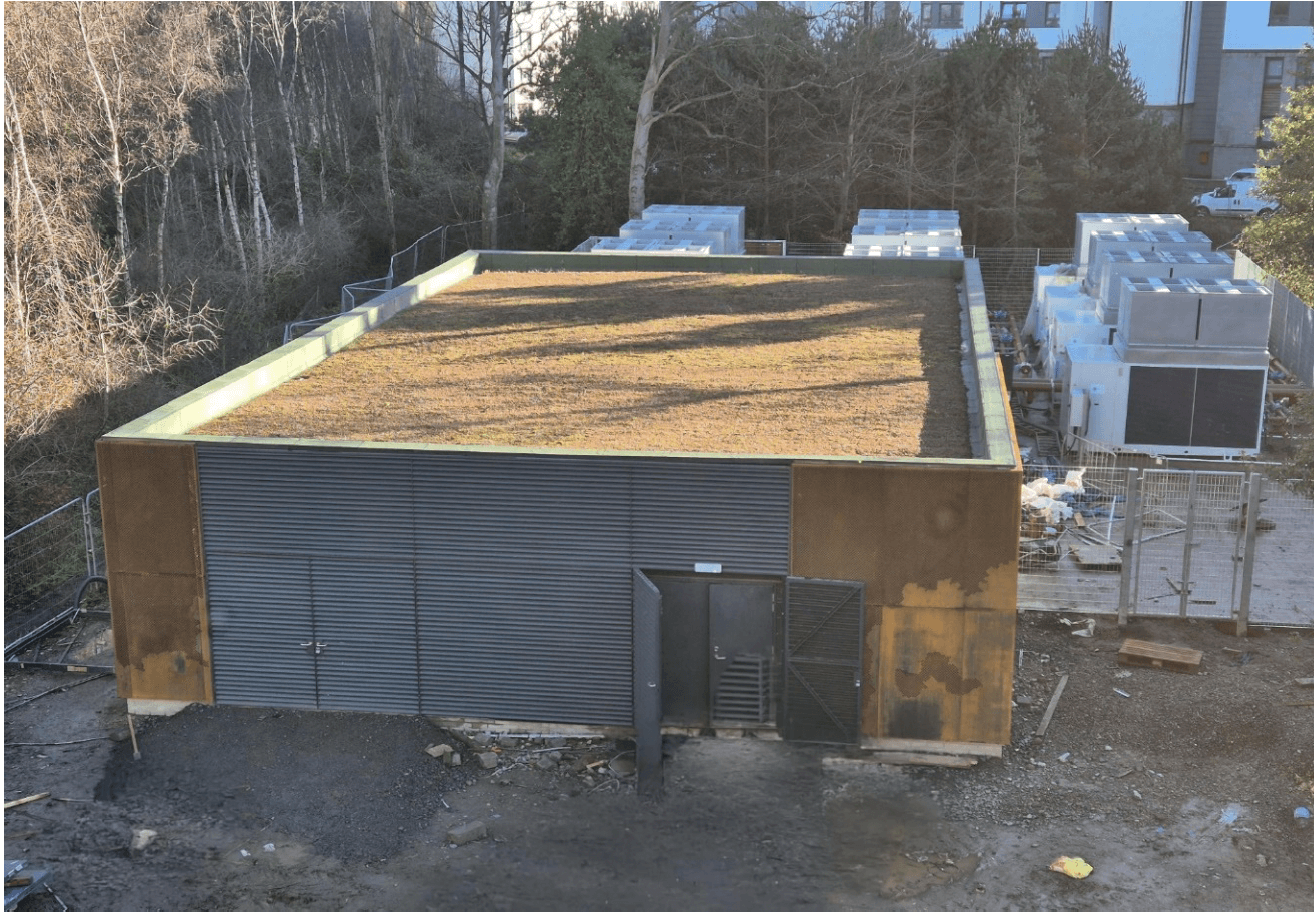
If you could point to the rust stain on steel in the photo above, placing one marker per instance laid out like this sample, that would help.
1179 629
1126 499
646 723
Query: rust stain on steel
938 666
937 549
151 509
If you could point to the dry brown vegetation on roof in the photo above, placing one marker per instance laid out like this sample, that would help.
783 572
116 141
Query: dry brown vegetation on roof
686 362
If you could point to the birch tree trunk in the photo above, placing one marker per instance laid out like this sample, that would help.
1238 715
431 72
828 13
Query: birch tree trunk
497 129
381 126
645 116
117 175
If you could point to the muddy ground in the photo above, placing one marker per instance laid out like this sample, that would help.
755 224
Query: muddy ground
1181 795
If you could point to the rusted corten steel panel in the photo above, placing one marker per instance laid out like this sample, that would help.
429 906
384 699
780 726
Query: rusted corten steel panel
946 675
151 518
937 547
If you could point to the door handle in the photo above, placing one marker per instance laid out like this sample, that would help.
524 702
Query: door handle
315 648
716 654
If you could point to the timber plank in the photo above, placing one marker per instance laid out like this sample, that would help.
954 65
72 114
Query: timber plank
899 758
1157 655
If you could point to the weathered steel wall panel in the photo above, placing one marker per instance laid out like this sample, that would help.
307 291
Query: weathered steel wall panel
151 520
943 677
930 541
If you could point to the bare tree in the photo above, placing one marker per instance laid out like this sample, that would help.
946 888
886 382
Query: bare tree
675 40
483 43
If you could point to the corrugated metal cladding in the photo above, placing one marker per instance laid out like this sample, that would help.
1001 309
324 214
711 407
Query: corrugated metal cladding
459 584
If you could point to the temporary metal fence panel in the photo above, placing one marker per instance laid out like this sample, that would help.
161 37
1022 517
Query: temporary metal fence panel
1282 568
1171 543
95 534
46 564
522 567
1009 275
1291 332
823 660
1188 544
425 253
1074 564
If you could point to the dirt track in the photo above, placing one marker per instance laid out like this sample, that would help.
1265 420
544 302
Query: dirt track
1181 795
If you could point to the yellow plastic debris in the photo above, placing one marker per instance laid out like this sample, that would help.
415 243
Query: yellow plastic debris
1071 866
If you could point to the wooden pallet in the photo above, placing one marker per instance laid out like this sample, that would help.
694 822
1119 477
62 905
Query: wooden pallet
1156 655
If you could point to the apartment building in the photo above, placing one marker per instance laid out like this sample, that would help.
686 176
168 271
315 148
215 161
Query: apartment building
1219 69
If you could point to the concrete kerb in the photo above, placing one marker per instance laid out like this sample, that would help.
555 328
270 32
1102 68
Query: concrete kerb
996 419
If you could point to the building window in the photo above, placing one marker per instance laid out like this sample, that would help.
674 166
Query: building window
1270 99
1009 11
942 15
1279 14
1051 15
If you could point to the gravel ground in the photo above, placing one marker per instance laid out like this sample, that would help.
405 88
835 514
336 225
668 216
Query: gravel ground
1180 795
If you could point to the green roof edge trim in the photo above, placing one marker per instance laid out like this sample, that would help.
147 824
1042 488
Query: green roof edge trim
993 443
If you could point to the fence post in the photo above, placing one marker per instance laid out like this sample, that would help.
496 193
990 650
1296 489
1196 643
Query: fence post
89 535
1185 597
1248 570
1131 511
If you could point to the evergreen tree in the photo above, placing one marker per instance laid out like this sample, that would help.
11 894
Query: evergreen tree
1102 151
991 76
1284 243
582 140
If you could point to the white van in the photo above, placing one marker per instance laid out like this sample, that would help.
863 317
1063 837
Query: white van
1240 198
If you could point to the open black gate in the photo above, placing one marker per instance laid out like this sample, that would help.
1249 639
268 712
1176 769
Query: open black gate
823 661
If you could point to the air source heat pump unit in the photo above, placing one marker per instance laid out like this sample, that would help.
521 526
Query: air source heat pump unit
1054 299
1194 322
730 217
947 218
1093 222
1045 277
1144 241
610 245
715 234
1094 404
1068 328
1114 264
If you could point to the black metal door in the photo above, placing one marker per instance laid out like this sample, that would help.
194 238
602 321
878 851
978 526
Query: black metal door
823 661
647 685
741 633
